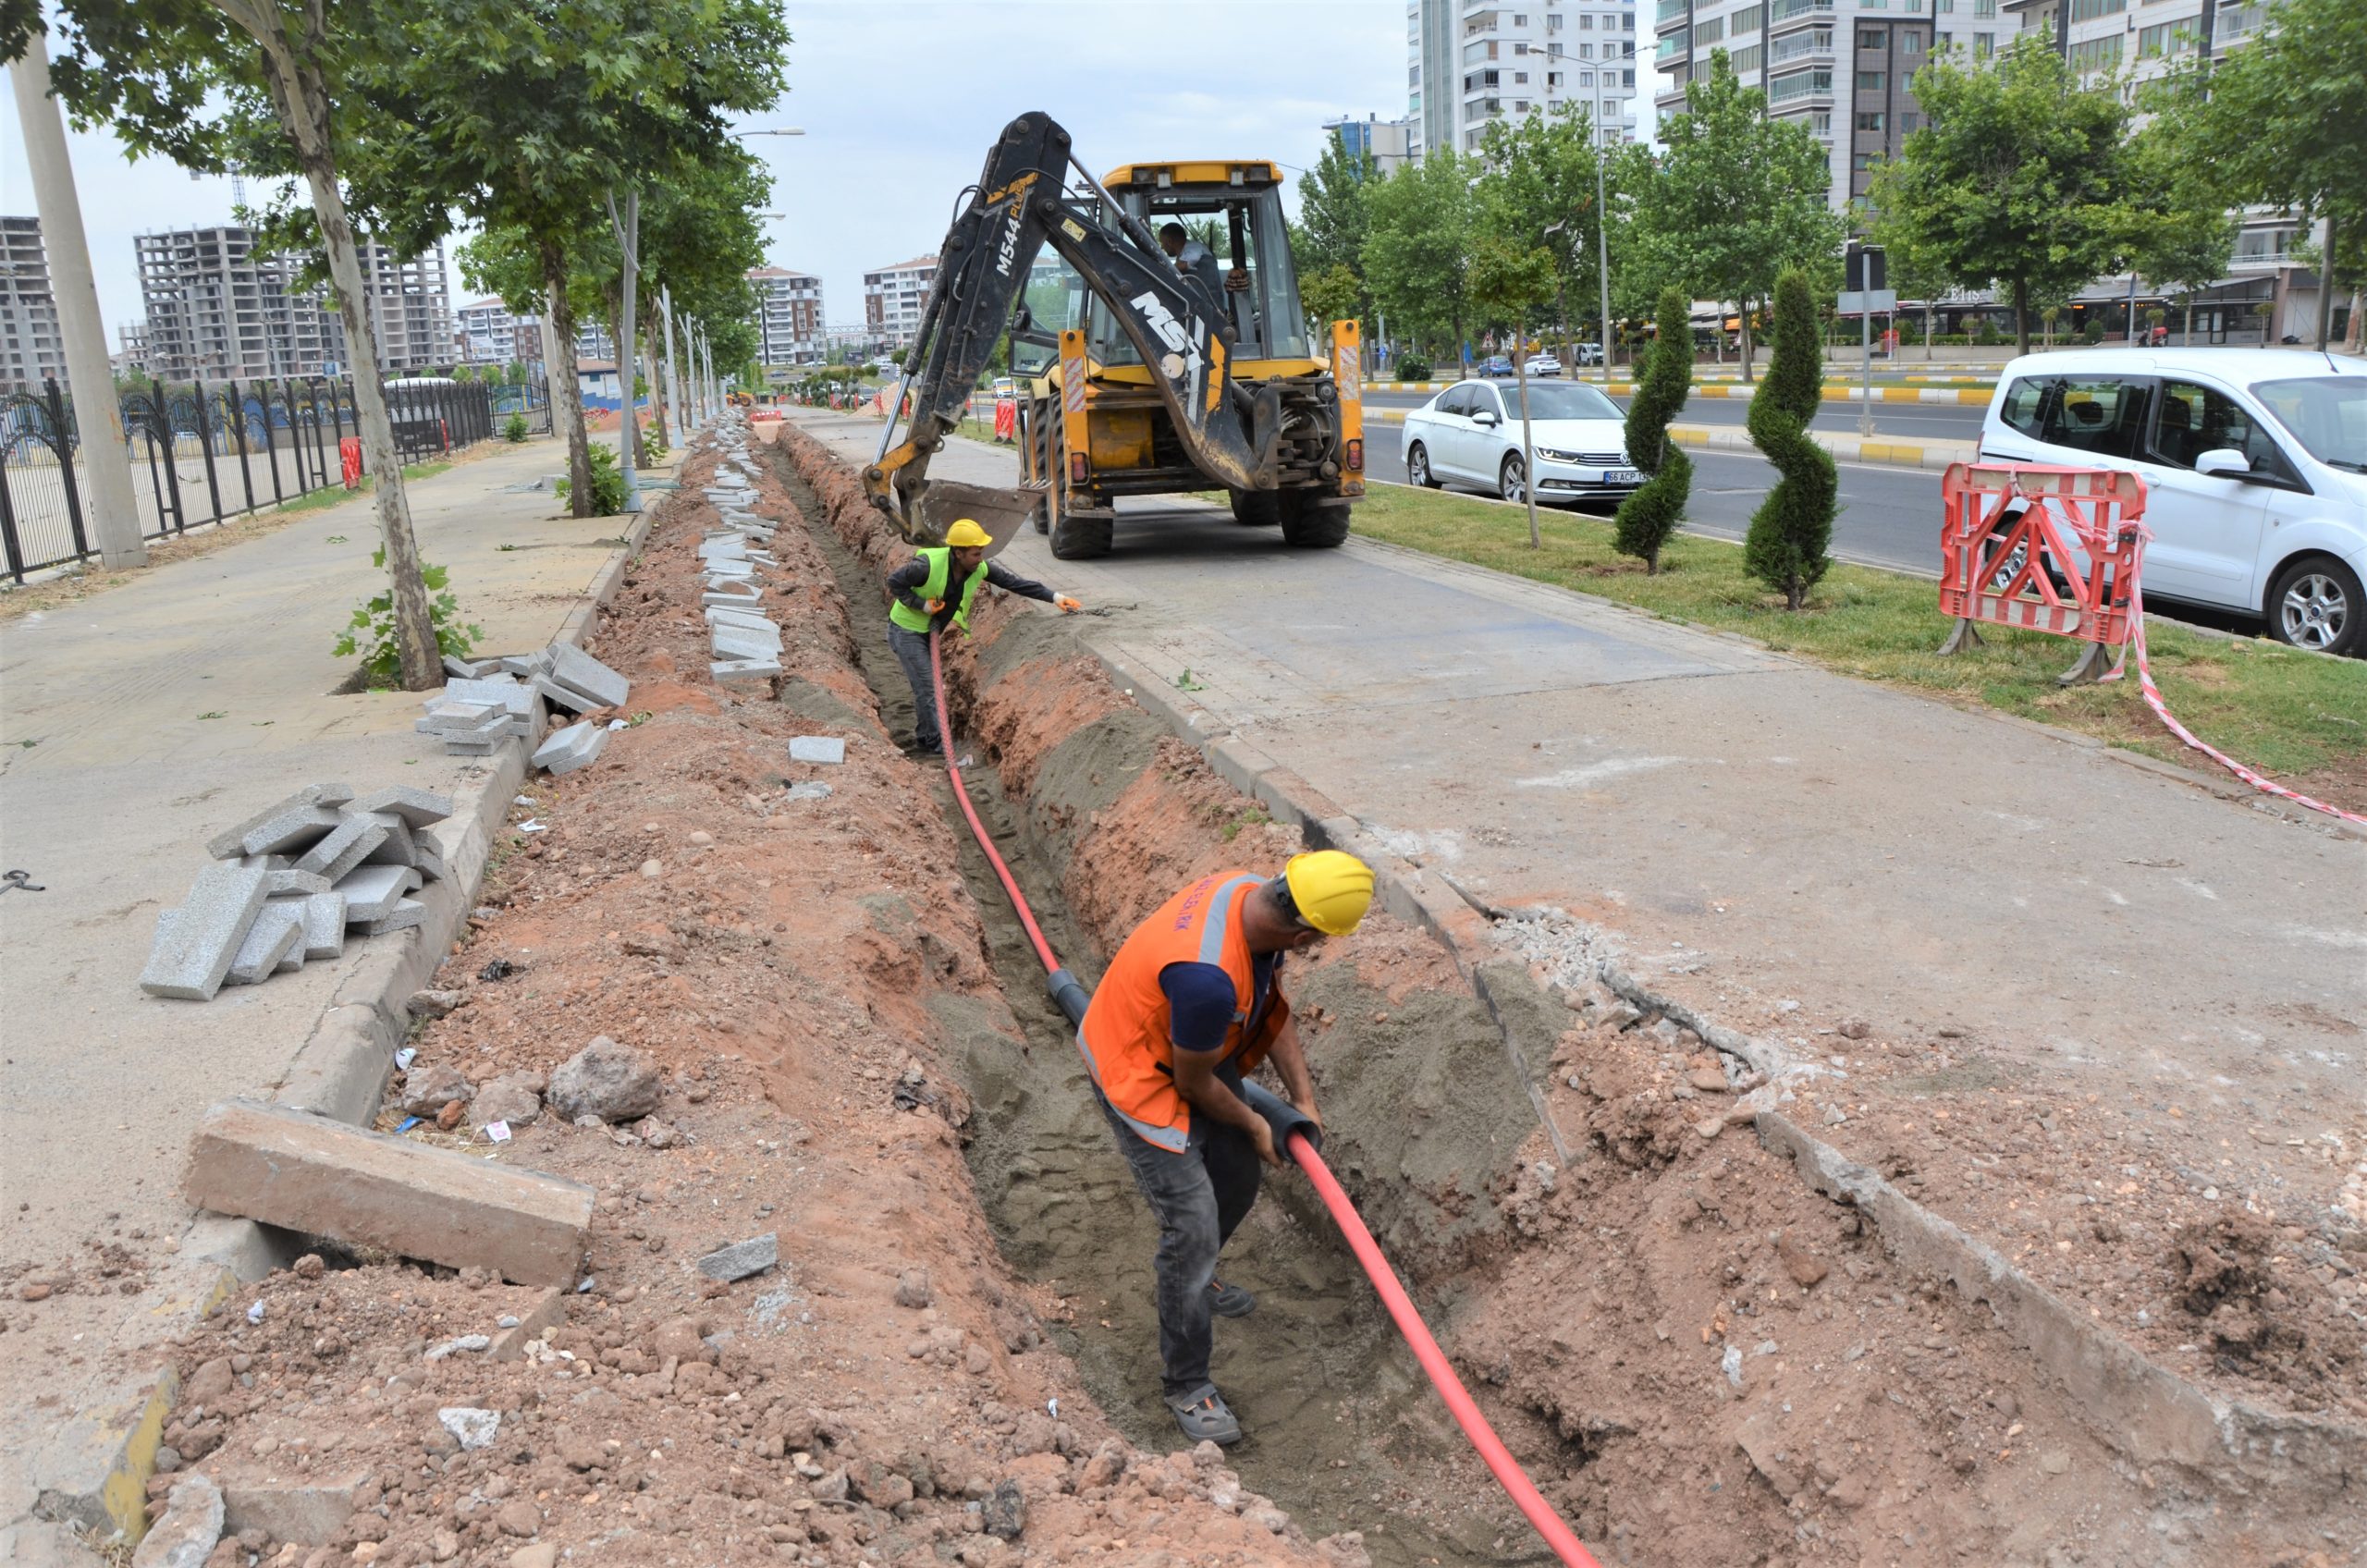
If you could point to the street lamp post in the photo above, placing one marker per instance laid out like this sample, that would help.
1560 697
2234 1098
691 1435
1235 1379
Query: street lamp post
1601 209
628 229
776 130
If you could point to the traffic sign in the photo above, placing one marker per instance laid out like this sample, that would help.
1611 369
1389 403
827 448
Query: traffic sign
1879 302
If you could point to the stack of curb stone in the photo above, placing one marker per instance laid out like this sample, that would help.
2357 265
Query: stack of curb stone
287 884
490 700
746 643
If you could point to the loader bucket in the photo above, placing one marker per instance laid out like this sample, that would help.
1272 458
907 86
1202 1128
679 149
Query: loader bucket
943 502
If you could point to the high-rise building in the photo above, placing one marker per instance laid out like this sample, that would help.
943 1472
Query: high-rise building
1469 64
1389 142
593 342
1841 66
30 349
218 307
132 356
489 333
893 298
788 317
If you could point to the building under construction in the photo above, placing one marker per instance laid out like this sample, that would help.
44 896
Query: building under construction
218 307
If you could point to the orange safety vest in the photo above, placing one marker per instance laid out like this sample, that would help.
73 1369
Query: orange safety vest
1127 1035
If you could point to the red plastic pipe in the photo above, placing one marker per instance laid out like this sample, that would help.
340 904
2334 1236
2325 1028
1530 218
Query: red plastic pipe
1459 1404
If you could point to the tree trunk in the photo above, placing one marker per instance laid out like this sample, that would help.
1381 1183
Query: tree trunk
2022 315
660 414
1927 332
628 417
1742 316
2325 283
566 392
300 93
2190 323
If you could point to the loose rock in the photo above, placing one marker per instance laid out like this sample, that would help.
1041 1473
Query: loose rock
428 1088
607 1080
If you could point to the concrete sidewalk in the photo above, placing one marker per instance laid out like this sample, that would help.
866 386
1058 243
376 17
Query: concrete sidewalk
1754 831
139 722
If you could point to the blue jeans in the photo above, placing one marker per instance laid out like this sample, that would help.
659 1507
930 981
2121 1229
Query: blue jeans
1199 1198
911 649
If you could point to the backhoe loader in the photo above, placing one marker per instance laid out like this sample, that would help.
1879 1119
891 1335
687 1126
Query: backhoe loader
1138 379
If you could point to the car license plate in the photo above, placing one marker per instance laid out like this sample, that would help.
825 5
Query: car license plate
1620 476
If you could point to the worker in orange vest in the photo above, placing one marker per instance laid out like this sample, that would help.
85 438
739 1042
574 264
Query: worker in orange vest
1191 1002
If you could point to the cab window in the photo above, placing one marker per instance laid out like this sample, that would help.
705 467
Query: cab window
2103 416
1454 400
2194 419
1484 401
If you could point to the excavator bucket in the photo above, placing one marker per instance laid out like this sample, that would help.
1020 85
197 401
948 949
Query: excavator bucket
943 502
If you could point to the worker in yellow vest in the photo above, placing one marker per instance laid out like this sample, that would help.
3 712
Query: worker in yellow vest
1192 1001
935 589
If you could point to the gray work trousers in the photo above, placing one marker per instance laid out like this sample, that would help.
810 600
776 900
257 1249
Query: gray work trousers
911 649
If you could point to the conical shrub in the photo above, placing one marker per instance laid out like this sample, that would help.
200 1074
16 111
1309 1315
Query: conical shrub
1793 527
1650 514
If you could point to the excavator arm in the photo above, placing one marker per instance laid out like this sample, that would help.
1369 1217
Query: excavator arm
1019 206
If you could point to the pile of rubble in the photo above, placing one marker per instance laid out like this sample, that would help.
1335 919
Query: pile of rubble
491 700
746 643
287 884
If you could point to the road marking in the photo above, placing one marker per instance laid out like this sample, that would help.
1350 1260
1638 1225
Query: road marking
1595 773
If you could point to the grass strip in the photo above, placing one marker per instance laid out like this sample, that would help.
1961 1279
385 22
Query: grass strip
2301 718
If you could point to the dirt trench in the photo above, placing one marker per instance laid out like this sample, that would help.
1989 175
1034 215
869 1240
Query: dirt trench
1699 1360
803 973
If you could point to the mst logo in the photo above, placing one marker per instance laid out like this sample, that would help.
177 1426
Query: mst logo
1183 362
1016 192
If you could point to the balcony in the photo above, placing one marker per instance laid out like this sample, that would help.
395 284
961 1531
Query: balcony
1799 46
1801 87
1674 14
1672 47
1797 13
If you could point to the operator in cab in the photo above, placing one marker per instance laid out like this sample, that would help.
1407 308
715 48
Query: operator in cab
934 589
1193 260
1193 1001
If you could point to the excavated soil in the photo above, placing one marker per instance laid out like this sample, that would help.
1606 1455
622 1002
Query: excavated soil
811 977
1699 1359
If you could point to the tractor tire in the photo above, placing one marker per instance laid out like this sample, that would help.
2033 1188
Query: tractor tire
1082 534
1312 521
1256 509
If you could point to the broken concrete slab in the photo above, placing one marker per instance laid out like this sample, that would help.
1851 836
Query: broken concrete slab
309 1511
725 600
525 665
418 808
576 746
742 1258
817 748
354 840
396 848
371 892
428 860
548 1313
283 878
406 913
728 547
310 1173
466 669
277 930
232 843
571 666
724 615
192 953
744 670
190 1528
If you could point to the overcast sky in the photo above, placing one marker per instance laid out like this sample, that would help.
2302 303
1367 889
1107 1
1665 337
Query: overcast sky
900 100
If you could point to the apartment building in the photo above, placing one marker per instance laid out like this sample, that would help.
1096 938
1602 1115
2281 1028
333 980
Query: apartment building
487 331
1387 142
893 298
132 358
1473 62
788 317
217 308
30 349
593 342
1844 67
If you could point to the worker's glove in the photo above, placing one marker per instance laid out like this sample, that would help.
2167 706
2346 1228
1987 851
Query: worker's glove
934 607
1067 605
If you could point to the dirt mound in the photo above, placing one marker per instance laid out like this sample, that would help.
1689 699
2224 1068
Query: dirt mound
2277 1321
806 969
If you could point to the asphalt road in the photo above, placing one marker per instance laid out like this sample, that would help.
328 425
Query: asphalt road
1890 517
1908 420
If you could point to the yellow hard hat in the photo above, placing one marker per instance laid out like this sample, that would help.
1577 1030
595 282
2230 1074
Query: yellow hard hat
1331 889
965 534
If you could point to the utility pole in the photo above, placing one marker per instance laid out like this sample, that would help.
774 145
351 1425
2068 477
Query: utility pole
1601 208
98 413
628 371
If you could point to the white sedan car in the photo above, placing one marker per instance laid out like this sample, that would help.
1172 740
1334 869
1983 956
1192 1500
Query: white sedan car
1471 434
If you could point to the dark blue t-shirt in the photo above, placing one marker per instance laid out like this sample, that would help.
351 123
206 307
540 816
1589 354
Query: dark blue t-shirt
1200 1000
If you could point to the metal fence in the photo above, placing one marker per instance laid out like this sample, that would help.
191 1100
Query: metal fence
201 453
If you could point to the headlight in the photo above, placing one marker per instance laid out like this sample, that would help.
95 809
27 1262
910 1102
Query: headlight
1553 456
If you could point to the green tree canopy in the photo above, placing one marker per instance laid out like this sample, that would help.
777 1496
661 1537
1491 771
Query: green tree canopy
1417 251
1335 210
2017 176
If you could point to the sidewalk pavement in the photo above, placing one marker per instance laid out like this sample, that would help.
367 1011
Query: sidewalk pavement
1755 832
138 723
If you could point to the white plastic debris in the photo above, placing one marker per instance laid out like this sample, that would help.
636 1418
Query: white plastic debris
254 1313
534 825
403 1058
498 1132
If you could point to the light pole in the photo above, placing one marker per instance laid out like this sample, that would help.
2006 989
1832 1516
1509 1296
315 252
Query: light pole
776 130
628 229
1601 209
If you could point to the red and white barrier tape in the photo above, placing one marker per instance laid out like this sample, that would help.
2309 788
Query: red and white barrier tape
2161 710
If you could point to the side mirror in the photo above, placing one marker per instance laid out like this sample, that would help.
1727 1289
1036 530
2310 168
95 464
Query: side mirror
1484 418
2224 462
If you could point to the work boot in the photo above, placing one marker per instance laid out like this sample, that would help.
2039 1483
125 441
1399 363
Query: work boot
1205 1416
1231 1300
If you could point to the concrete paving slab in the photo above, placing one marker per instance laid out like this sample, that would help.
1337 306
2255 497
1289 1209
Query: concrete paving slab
277 931
192 954
418 808
563 697
744 670
354 840
371 891
578 745
745 641
297 820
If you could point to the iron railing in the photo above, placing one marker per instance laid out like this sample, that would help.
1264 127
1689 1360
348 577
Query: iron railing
201 452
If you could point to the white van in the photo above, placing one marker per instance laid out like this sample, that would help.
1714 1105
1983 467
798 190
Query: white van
2255 470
